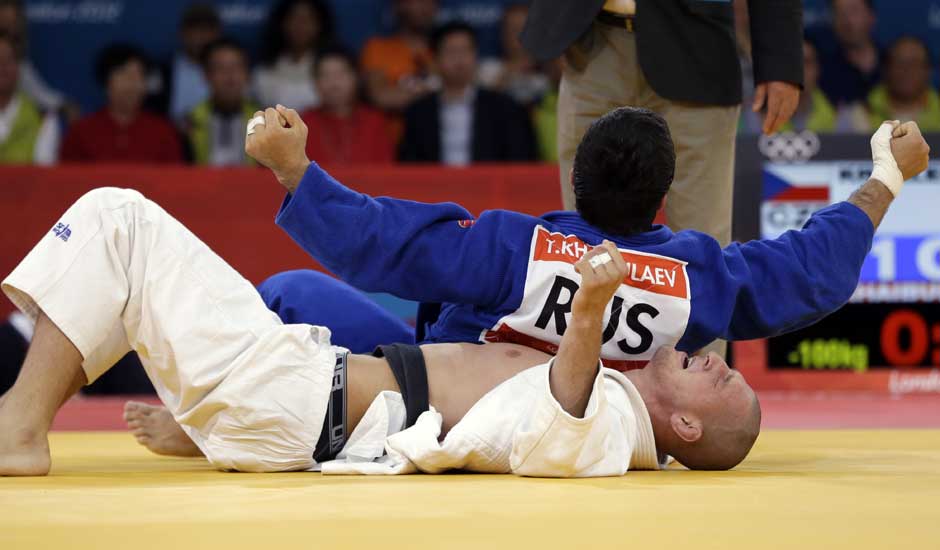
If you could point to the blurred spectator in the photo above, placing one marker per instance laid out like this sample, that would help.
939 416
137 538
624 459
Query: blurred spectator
545 114
342 129
295 30
13 23
848 55
216 127
815 112
26 135
398 67
516 73
122 131
905 93
187 86
463 123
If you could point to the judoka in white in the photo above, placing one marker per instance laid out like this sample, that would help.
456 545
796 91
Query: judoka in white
116 272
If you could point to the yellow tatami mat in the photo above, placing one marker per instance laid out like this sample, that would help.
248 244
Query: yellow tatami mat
799 489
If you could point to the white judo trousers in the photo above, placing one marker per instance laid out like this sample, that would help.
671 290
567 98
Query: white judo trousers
119 273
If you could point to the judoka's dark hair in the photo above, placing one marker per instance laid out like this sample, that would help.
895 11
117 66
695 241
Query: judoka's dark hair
114 57
623 168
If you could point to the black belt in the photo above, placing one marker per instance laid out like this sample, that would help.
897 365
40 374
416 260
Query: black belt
411 373
616 20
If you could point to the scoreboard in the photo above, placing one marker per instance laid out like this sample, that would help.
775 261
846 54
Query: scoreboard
891 325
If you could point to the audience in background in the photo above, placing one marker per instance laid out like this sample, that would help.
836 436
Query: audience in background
905 92
342 130
122 131
815 112
295 30
545 113
186 84
398 68
848 56
27 136
463 123
516 73
13 23
216 127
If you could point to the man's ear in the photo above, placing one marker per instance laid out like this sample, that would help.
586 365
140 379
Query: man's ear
688 427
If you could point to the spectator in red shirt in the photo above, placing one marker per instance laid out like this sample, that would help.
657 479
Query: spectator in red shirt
122 131
342 129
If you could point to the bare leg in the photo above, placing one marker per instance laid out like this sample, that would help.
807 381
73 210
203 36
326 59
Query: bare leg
156 429
51 373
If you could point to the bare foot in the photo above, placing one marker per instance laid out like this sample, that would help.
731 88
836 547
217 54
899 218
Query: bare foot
23 452
156 429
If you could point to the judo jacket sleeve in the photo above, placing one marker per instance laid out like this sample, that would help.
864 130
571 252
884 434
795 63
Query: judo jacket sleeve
552 443
416 251
769 287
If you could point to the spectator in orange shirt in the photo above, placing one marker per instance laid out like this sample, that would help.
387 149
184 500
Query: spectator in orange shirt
342 129
122 131
397 68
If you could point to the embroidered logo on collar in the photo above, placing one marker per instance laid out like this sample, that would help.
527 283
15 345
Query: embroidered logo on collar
62 231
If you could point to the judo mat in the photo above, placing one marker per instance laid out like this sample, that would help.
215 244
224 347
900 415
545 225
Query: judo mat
798 489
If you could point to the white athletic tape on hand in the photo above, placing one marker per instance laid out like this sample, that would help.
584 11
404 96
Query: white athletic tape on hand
600 260
886 168
257 121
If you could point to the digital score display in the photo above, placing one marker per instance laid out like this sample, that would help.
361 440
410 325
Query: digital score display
893 319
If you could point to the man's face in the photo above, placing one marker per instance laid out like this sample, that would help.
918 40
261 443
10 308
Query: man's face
704 385
336 83
197 37
227 74
908 71
457 60
127 86
417 15
852 21
9 69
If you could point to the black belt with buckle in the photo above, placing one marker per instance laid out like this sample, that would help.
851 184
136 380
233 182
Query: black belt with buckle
616 20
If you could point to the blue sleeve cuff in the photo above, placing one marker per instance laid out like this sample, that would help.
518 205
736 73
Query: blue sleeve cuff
314 182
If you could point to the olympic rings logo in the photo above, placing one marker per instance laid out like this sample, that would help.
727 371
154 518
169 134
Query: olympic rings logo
789 146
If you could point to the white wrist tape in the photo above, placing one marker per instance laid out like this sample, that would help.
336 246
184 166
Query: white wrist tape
885 167
600 259
257 121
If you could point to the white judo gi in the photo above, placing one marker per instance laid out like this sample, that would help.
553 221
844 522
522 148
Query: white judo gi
119 273
517 427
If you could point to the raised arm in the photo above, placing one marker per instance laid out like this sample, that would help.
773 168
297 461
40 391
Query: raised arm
575 366
573 431
790 282
417 251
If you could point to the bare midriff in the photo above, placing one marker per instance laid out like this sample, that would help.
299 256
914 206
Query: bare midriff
459 375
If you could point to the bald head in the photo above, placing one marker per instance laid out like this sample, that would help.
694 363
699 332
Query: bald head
726 440
703 412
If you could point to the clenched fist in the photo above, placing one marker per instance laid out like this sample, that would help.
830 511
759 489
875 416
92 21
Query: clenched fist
602 270
910 149
280 144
